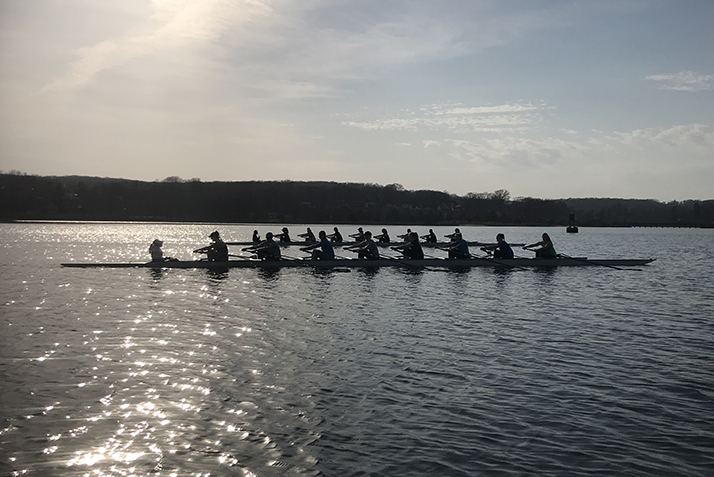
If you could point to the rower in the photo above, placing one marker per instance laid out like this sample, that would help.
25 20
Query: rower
546 248
256 237
321 250
335 237
501 249
366 249
405 237
359 236
308 236
266 250
452 237
411 249
217 251
283 237
430 237
383 237
458 248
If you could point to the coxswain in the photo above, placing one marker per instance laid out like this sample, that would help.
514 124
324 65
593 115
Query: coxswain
256 237
217 251
501 249
405 237
383 237
367 248
359 236
157 255
430 237
458 248
452 237
321 250
266 250
283 237
308 236
545 247
335 237
411 249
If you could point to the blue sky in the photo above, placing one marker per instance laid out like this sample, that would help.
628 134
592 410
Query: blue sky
546 99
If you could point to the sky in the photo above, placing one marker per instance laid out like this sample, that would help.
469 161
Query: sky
547 99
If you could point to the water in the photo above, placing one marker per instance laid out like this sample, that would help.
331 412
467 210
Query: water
390 372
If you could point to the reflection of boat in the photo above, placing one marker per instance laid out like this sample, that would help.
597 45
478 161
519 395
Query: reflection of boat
383 262
379 244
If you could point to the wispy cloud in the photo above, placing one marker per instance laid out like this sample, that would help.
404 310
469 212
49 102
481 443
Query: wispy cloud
684 81
300 48
459 118
651 145
172 25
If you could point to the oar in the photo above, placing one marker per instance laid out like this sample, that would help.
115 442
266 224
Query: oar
238 256
414 265
497 262
206 259
436 258
292 259
561 255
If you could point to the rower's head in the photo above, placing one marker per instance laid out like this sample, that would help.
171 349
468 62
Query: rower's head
457 231
269 236
308 229
545 236
359 229
158 243
384 231
214 235
322 234
500 237
367 235
285 229
335 229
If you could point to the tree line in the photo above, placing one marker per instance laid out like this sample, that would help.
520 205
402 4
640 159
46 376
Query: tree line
31 197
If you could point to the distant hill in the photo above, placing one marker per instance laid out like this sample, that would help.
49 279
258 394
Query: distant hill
29 197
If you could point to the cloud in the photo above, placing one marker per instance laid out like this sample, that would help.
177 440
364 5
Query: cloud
669 163
291 49
692 140
684 81
677 148
284 50
501 118
173 25
504 108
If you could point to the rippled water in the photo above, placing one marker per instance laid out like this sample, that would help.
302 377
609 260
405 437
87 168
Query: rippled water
389 372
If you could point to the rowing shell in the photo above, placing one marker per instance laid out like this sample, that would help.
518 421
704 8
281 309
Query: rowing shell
385 262
379 244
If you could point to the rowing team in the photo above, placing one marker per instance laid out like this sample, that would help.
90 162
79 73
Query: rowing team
269 249
336 236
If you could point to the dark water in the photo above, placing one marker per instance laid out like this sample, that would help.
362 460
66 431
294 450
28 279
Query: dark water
389 372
